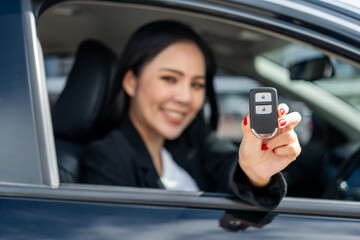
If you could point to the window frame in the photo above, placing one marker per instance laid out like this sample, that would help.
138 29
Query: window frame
51 187
162 198
40 100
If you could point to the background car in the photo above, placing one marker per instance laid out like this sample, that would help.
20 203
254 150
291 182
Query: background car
308 50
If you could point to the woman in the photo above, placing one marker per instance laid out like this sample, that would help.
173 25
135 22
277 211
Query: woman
162 140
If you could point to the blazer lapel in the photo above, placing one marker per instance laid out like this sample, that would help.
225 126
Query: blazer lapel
147 175
182 154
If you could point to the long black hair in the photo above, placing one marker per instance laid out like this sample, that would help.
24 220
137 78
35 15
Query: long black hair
143 46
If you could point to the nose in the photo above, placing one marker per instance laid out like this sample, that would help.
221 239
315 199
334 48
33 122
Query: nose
183 93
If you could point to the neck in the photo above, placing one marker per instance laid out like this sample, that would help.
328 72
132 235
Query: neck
152 140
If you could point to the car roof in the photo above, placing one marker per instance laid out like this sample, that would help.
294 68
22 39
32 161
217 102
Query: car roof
59 36
347 7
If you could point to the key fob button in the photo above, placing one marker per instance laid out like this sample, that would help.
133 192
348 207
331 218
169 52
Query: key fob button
263 109
263 97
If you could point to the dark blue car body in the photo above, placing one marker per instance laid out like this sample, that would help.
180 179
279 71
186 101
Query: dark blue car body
35 205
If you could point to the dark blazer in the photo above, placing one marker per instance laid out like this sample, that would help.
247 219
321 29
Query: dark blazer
121 158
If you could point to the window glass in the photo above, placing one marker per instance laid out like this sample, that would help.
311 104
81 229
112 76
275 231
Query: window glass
345 83
57 68
20 143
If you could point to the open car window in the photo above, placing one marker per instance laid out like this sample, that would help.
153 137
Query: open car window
246 58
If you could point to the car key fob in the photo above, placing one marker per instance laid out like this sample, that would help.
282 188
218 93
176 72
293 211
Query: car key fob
263 112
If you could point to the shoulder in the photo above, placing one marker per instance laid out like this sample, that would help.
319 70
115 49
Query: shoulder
112 140
108 161
112 147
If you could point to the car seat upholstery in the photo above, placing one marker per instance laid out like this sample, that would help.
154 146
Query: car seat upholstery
77 112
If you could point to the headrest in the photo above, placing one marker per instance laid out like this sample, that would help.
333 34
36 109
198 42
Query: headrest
79 106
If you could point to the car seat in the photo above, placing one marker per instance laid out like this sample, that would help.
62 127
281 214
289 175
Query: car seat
78 110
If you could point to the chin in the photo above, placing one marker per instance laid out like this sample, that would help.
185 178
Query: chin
172 134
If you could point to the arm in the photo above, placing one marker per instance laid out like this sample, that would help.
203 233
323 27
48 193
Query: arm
253 172
262 160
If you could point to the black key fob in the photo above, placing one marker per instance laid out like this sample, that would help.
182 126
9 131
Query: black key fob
263 112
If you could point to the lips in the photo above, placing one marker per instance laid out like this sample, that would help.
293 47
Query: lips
173 116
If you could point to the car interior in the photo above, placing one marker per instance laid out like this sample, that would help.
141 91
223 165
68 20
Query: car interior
82 41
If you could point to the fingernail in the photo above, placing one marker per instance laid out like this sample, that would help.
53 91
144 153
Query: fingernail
264 147
274 150
282 122
282 111
245 120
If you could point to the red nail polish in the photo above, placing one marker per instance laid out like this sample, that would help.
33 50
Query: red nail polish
274 151
282 111
264 147
245 120
282 122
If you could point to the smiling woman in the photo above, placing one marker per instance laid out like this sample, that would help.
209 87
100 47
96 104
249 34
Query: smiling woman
165 71
164 100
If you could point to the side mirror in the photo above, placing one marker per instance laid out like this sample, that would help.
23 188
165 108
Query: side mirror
234 221
312 69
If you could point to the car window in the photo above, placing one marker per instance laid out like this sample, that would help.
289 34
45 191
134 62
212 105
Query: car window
246 59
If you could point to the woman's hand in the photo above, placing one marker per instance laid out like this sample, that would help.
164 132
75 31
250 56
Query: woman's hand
260 159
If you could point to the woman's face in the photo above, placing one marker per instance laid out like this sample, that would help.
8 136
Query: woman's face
169 91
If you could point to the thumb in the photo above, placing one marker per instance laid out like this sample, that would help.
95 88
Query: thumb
248 135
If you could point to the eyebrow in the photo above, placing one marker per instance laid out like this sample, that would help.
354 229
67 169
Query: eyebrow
179 72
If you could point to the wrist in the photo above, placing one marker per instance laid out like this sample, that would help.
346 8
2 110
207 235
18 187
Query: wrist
255 179
258 182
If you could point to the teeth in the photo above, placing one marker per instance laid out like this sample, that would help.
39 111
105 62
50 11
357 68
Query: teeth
174 114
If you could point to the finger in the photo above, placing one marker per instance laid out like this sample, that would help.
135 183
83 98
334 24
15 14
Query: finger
246 128
290 120
283 109
291 151
285 138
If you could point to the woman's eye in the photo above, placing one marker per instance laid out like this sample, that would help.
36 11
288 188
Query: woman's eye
169 78
198 85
